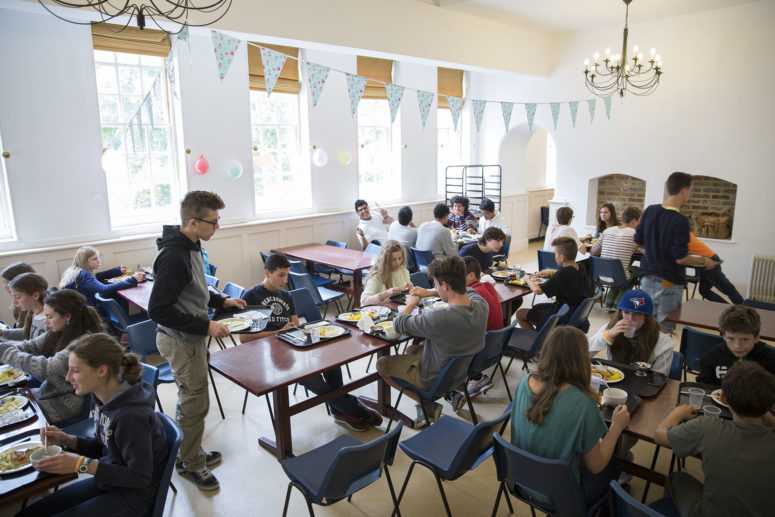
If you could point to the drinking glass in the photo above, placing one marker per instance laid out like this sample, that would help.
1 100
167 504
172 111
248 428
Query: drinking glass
695 397
711 410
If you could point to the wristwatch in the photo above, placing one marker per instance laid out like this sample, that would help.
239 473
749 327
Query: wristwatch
84 468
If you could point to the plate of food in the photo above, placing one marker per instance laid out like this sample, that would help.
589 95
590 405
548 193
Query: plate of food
10 375
374 312
16 457
12 403
236 324
609 374
502 275
120 278
517 282
331 331
715 395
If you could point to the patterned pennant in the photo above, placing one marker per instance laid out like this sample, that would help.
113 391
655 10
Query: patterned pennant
273 65
574 110
183 35
356 87
555 106
455 106
478 108
395 93
316 76
530 111
607 102
507 108
225 48
424 101
592 103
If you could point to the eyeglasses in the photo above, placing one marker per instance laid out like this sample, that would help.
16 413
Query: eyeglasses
214 223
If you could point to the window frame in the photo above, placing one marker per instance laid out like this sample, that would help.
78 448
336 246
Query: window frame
6 203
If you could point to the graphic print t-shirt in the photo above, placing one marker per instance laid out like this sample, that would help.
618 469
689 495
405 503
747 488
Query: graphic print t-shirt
279 302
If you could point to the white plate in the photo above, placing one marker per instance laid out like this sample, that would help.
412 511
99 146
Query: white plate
19 375
597 369
331 331
501 274
23 446
12 403
236 324
716 396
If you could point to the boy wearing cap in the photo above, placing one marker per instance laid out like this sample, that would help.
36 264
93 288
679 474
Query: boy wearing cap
633 335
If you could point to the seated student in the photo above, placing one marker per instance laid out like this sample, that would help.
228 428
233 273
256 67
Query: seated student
371 228
126 457
713 276
568 286
28 291
737 455
45 357
607 218
403 230
555 414
271 294
81 276
739 326
434 236
457 330
490 218
461 219
633 335
8 273
488 245
388 277
618 242
562 228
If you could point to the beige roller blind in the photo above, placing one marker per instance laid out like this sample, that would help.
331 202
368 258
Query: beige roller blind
377 71
112 38
288 82
449 82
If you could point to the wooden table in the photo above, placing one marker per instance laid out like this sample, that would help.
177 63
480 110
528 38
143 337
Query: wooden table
139 295
508 296
270 365
343 258
705 315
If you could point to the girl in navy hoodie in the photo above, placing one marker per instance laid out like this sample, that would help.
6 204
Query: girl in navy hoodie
125 461
82 276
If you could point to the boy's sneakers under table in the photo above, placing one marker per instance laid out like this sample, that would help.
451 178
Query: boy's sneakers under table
202 478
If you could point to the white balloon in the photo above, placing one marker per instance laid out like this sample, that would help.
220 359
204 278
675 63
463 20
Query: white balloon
111 160
344 157
319 157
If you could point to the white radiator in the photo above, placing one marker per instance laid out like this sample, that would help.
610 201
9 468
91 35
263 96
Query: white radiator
763 279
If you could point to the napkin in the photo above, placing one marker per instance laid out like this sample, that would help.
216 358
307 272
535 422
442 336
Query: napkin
487 278
365 323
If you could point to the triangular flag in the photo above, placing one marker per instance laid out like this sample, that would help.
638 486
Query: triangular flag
455 106
225 48
530 111
607 102
555 106
356 87
507 108
273 65
424 101
478 108
574 109
592 103
183 35
316 77
395 93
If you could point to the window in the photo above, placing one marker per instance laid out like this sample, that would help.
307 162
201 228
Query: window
7 229
450 145
280 179
379 177
139 160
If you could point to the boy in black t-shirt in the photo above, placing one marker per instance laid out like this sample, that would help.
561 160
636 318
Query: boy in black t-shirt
739 326
483 250
568 286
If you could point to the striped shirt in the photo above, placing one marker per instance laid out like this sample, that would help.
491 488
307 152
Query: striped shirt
618 243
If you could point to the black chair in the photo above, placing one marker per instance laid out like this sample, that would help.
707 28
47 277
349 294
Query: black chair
525 344
141 339
546 260
233 290
422 258
489 357
691 278
694 345
579 318
756 304
322 296
544 221
624 505
420 279
340 468
608 274
117 317
298 266
450 448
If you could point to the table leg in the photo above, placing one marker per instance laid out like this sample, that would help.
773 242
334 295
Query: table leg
357 287
382 404
281 446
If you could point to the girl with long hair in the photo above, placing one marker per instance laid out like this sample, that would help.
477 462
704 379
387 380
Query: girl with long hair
82 275
389 275
28 291
126 457
7 274
555 413
607 218
68 317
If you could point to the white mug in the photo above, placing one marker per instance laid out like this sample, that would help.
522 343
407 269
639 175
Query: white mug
614 397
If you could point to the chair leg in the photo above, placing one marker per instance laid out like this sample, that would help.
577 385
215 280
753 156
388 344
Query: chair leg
215 390
694 290
371 357
390 422
648 483
403 487
511 360
295 387
396 509
497 499
287 499
424 412
508 500
245 402
158 401
174 488
470 404
505 382
349 373
269 406
533 511
443 495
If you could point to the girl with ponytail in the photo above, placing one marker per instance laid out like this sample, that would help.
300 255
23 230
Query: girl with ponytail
555 413
126 457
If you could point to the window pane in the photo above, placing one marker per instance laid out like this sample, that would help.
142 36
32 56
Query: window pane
129 80
379 179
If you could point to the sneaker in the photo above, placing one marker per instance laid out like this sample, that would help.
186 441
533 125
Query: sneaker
457 400
212 459
434 413
371 418
477 386
352 422
202 478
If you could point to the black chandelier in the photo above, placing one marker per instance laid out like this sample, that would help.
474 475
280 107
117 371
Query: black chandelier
639 75
175 12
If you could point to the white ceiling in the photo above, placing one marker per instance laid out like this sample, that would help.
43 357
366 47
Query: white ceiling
579 14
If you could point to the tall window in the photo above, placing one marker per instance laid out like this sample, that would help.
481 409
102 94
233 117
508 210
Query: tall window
280 179
379 175
7 230
139 160
450 145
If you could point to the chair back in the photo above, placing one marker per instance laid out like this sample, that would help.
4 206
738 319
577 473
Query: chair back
695 344
494 341
118 317
609 272
150 375
546 260
337 244
305 305
545 215
174 436
676 366
297 266
233 290
546 329
211 281
411 265
451 375
420 279
304 281
580 316
529 474
142 338
372 250
627 506
756 304
264 256
422 258
358 466
477 447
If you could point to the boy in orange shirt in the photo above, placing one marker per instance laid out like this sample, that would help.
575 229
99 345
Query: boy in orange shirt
712 277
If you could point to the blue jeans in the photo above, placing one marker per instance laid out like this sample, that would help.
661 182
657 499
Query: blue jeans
80 499
666 299
710 278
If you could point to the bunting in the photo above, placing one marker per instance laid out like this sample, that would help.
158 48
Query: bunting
455 106
424 101
356 87
574 110
592 103
478 108
395 93
530 111
225 48
506 109
316 76
273 65
555 107
607 102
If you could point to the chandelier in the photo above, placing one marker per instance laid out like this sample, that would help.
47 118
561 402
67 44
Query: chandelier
638 75
174 11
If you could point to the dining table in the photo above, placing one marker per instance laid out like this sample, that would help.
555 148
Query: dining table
705 315
510 297
139 295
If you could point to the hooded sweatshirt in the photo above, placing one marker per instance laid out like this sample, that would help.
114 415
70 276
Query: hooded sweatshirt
90 284
130 445
180 298
37 328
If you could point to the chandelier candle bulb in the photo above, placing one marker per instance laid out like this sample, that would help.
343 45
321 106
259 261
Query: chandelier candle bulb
596 56
608 52
652 52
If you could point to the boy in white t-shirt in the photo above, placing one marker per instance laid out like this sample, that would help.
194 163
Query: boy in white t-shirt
369 228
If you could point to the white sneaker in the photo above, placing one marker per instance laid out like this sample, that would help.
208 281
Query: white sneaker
434 413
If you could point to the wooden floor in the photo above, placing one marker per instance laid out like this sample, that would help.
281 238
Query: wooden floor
253 484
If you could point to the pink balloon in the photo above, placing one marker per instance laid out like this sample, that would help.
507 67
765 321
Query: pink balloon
201 165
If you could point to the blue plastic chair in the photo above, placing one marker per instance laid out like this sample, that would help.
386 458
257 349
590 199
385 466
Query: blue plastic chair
298 266
340 468
372 250
756 304
523 474
489 357
174 438
212 281
322 296
305 305
525 344
83 424
624 505
450 448
233 290
142 341
151 378
546 260
327 270
694 345
677 366
608 274
422 258
420 279
579 318
117 316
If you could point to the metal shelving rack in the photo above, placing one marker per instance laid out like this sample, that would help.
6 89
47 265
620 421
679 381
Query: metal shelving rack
475 182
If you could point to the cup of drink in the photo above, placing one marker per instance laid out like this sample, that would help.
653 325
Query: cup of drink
711 410
629 333
696 395
314 334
